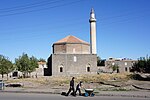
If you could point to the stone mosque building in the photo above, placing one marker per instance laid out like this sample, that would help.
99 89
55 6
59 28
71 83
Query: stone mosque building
73 56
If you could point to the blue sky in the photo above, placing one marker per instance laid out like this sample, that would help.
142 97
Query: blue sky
32 26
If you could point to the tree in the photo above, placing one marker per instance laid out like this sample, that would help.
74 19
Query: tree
6 66
26 64
142 66
22 64
33 64
100 62
2 65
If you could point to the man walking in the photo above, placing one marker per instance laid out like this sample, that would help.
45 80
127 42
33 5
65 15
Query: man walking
71 87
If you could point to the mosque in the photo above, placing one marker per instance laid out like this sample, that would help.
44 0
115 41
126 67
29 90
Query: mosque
73 56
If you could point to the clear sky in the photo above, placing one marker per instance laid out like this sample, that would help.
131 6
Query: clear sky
32 26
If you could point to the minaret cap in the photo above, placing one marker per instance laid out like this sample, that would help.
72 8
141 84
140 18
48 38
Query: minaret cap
92 16
92 10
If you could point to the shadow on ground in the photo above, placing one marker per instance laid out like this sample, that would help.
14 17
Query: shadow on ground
140 78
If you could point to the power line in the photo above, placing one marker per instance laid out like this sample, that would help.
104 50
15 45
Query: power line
28 7
123 20
98 22
47 8
20 6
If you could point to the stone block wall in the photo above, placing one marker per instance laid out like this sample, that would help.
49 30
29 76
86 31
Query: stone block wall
73 64
71 48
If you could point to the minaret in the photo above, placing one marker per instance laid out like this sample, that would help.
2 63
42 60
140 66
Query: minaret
92 32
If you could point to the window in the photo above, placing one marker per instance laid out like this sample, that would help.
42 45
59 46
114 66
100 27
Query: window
118 71
130 69
125 63
75 59
113 63
61 69
74 50
88 69
15 74
126 69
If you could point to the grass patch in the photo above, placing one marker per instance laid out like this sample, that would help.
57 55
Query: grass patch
103 77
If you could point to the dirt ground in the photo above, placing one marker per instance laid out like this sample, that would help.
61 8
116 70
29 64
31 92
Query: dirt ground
101 82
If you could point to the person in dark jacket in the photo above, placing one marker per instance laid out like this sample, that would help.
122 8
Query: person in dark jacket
71 87
78 88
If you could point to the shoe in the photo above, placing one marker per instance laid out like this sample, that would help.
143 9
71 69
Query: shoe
66 95
74 95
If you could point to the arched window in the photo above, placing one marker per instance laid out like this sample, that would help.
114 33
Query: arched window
61 68
88 68
75 59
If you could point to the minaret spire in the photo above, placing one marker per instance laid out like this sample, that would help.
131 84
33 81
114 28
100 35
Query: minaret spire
92 32
92 14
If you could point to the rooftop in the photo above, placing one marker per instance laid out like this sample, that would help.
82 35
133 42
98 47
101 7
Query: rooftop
41 62
71 39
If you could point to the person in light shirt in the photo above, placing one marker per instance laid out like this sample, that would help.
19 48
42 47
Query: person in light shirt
78 88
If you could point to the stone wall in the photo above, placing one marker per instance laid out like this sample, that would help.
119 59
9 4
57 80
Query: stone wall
71 48
73 64
59 48
124 65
